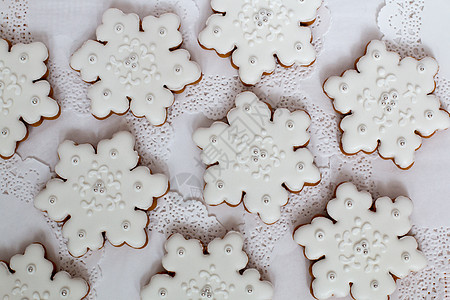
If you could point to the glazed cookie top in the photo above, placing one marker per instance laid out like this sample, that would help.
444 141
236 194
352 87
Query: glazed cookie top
135 65
260 29
361 251
389 104
215 275
23 97
101 191
32 278
255 154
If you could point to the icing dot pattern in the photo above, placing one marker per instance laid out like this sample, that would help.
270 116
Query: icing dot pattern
212 276
101 194
32 278
23 96
362 247
256 155
260 29
390 103
136 65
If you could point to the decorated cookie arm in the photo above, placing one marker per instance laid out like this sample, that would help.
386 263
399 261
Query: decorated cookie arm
217 29
298 51
296 126
210 141
31 59
348 198
86 60
313 237
11 132
253 110
82 237
147 186
359 134
114 23
401 148
43 106
165 28
180 70
327 283
152 105
52 199
70 158
433 118
270 202
132 230
302 172
106 99
253 66
221 187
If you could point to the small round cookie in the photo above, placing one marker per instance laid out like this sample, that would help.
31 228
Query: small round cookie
101 192
31 276
387 103
128 64
24 97
253 32
360 250
258 157
214 275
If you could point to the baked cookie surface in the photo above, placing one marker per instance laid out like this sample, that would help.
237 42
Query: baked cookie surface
24 98
214 275
256 157
32 278
102 191
254 31
128 64
388 103
360 250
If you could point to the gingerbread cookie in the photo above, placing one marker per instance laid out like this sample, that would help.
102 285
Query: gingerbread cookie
31 277
215 275
101 191
255 31
24 98
360 250
388 103
127 63
255 157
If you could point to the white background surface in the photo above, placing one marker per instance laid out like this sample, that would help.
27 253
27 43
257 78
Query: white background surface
125 270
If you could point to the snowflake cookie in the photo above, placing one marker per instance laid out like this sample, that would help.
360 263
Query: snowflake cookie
389 104
360 251
127 63
256 30
100 194
257 157
23 96
31 277
215 275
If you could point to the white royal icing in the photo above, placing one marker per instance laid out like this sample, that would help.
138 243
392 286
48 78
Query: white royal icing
100 193
134 64
389 101
255 155
23 97
32 278
258 30
362 247
215 275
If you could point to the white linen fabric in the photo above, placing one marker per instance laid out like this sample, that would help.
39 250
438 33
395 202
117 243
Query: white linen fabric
340 34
